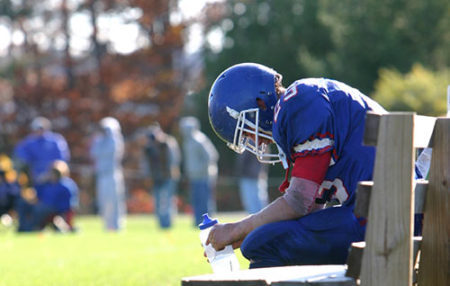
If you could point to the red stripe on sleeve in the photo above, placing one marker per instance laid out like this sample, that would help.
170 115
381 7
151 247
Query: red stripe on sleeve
312 167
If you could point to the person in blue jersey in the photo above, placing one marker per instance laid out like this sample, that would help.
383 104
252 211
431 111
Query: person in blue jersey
316 126
37 152
56 196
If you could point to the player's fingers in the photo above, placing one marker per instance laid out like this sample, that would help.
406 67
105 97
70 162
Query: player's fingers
210 238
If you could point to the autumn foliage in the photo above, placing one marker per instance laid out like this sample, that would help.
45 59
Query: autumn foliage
75 93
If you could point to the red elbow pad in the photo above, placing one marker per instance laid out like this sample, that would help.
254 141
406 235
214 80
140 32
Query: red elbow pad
312 167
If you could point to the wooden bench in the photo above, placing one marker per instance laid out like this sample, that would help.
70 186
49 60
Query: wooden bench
329 275
387 255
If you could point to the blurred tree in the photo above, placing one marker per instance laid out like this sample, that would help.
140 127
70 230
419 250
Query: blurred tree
348 40
68 62
420 90
12 13
49 75
289 36
374 34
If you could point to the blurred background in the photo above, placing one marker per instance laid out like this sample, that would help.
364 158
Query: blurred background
140 61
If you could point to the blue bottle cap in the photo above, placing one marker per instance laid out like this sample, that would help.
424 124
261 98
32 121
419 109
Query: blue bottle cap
207 222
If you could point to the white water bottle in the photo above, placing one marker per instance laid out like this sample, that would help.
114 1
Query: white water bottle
221 261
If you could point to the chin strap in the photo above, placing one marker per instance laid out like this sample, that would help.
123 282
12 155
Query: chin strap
285 184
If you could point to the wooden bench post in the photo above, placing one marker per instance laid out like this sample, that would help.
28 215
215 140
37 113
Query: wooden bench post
434 266
387 258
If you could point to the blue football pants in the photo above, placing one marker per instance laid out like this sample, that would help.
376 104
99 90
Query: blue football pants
322 237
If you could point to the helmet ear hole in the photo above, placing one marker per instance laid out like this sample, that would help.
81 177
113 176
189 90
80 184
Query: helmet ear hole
261 104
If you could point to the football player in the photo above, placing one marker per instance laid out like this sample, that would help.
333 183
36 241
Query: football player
316 125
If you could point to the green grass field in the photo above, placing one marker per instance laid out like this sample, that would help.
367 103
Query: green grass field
140 255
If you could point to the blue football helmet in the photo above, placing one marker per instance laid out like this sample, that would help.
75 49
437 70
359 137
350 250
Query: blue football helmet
242 102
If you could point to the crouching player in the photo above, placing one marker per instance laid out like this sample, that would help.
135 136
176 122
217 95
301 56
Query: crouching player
317 126
57 200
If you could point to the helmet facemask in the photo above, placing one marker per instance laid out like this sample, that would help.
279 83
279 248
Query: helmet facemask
242 141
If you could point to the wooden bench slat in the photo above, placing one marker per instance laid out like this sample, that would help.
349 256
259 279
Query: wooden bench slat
356 252
364 190
363 199
354 259
371 127
276 276
423 129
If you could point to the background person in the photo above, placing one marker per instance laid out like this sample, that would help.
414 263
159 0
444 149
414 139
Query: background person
55 197
9 194
252 182
107 153
162 155
37 152
62 177
200 166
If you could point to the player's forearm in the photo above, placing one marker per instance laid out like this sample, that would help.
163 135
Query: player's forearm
278 210
298 201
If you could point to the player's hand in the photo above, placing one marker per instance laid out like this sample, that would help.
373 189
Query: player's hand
222 235
235 245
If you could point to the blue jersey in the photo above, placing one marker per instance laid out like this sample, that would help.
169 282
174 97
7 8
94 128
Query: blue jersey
40 151
318 115
56 195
